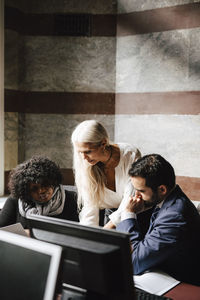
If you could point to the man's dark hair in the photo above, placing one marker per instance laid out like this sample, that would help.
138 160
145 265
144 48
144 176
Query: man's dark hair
155 169
39 170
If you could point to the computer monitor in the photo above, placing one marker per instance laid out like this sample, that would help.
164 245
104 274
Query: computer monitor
28 268
96 262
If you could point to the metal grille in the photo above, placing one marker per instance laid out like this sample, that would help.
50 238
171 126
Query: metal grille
73 24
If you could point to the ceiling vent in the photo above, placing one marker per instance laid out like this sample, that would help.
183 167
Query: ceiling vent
73 24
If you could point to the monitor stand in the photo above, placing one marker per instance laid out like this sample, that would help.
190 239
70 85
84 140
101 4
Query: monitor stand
73 293
70 292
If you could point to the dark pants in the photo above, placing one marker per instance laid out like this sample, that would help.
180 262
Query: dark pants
104 215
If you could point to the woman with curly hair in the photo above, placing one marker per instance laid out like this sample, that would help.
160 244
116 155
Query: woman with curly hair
35 188
101 173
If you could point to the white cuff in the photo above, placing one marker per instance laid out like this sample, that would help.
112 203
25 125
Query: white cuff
115 217
128 215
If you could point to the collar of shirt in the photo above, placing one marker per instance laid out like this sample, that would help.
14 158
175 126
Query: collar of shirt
160 204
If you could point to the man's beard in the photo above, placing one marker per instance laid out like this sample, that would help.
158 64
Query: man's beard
154 201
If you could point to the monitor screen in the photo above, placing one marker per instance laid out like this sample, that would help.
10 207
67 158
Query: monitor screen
29 268
96 261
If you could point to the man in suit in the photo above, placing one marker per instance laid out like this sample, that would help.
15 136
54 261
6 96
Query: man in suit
172 241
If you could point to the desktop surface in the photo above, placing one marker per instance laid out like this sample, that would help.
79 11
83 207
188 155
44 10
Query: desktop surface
184 291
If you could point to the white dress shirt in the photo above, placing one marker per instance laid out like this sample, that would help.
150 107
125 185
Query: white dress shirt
89 215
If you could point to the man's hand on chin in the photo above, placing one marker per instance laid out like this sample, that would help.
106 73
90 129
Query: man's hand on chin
136 205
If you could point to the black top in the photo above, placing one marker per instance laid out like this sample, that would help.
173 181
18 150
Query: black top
10 212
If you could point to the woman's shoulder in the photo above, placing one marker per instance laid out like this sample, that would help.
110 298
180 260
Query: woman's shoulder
70 192
128 154
11 200
70 208
128 149
10 204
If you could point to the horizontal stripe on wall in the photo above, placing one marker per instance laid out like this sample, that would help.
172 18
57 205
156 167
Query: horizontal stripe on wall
59 102
158 103
190 185
44 24
68 178
160 19
103 103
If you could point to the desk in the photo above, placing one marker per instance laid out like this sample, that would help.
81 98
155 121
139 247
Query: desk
184 291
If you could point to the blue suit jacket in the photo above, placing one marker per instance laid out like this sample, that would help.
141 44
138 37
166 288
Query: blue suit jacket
172 242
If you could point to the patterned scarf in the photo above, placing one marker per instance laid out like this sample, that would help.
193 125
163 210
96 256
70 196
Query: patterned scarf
53 207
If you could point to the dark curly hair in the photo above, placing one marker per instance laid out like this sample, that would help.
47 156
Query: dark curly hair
39 170
155 169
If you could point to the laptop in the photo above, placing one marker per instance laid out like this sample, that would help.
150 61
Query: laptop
29 268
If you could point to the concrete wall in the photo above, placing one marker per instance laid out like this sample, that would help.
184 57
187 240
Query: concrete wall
158 81
127 6
53 65
2 97
138 72
12 45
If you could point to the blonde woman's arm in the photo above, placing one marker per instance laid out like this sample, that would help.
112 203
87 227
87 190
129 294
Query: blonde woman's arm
89 215
129 157
115 217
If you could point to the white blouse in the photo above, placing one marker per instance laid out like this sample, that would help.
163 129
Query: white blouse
89 214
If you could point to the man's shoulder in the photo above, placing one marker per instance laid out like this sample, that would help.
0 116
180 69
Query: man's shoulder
179 203
177 196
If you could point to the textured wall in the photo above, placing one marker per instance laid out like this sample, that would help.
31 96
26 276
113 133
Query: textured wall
72 64
51 134
163 61
176 137
19 4
157 66
64 6
72 6
11 140
12 45
152 69
44 63
126 6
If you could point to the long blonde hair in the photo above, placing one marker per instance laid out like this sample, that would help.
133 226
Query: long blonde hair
89 179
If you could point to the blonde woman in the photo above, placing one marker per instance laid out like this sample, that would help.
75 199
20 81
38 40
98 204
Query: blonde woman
101 172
